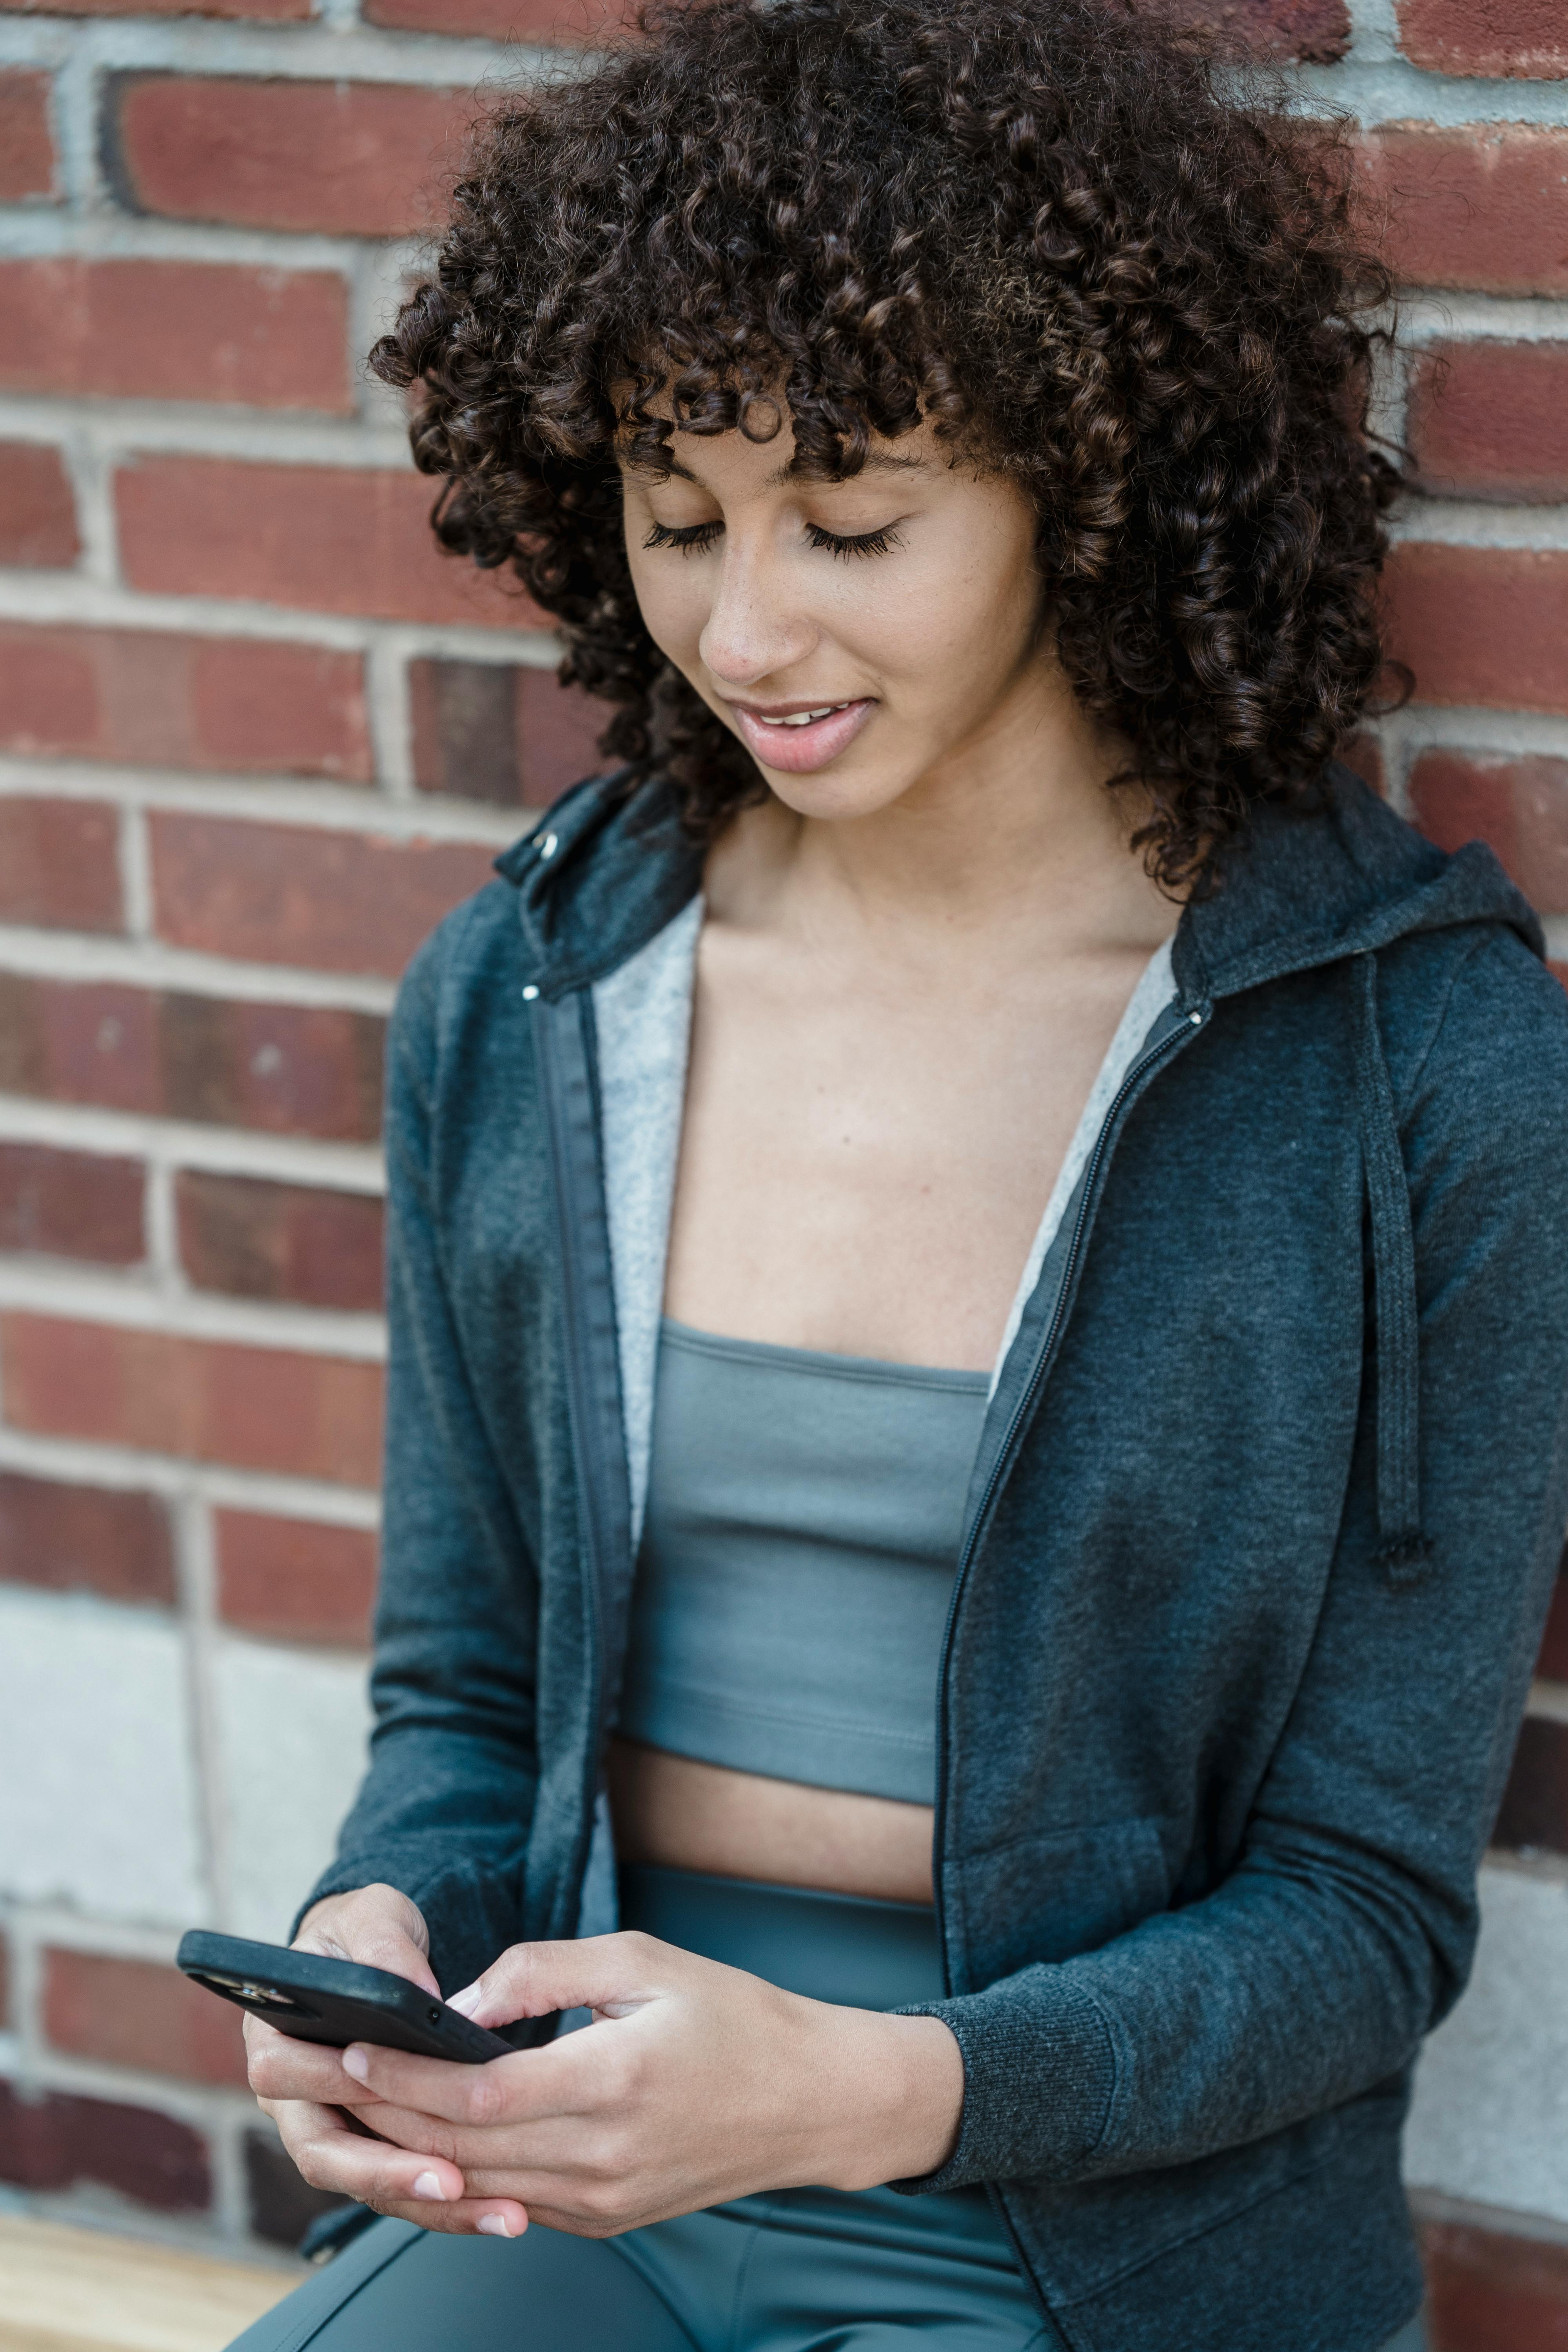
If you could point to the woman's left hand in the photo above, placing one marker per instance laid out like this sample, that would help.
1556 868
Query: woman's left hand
695 2083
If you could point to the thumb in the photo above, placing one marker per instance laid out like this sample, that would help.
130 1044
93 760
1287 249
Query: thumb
608 1972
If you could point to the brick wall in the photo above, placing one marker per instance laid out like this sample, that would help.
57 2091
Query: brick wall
255 737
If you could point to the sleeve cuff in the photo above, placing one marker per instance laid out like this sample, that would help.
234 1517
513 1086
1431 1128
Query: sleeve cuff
1040 2075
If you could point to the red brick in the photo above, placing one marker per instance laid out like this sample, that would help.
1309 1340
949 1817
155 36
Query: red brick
52 2140
59 865
288 1069
334 539
270 10
26 144
1490 420
498 731
137 2013
1315 29
1363 754
300 894
1485 206
349 159
242 706
102 1539
534 21
76 1042
1481 624
38 511
176 330
71 1203
295 1580
207 1400
1486 36
1520 806
1552 1664
259 1240
1533 1816
1489 2293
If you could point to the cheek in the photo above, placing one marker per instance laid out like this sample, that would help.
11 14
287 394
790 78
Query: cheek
993 600
673 600
955 617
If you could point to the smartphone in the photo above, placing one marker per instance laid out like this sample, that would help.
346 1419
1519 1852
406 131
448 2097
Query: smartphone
336 2001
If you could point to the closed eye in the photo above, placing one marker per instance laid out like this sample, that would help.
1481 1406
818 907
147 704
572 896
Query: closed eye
685 536
690 537
865 542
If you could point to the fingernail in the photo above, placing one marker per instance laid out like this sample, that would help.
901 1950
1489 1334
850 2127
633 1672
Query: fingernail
467 2001
356 2063
494 2225
428 2186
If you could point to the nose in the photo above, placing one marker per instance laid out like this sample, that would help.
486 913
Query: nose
755 626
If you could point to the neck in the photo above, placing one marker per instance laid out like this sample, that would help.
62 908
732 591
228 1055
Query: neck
1012 842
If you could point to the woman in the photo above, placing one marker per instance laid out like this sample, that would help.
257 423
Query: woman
1020 1196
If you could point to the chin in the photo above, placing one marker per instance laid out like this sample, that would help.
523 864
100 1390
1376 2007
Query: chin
834 794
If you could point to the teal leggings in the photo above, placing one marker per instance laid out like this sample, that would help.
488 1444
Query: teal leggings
708 2283
726 2281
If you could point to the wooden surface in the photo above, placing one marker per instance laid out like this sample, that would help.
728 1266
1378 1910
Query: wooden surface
64 2290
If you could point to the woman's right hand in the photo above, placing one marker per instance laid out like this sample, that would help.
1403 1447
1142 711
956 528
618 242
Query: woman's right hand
326 2119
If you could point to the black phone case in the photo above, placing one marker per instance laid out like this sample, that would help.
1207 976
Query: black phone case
336 2001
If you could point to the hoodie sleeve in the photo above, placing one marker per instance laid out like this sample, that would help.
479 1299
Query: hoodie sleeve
1347 1930
444 1810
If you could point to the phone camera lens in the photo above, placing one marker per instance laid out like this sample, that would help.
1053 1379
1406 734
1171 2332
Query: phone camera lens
435 2016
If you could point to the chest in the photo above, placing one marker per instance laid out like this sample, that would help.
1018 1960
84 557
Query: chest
845 1129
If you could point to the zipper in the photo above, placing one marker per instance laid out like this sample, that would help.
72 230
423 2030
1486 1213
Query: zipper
1147 1062
1163 1051
593 1370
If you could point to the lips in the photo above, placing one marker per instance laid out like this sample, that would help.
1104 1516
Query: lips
795 741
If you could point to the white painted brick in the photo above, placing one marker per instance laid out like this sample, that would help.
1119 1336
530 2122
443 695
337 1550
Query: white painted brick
1491 2116
291 1732
96 1760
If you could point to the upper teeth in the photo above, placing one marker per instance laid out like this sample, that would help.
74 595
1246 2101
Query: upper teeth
805 718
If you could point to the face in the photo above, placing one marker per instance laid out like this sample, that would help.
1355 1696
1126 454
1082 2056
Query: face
865 639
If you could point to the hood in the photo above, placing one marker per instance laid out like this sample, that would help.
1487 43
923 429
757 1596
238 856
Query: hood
1343 880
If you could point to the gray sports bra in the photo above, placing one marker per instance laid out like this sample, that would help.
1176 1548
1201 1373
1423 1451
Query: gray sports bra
803 1516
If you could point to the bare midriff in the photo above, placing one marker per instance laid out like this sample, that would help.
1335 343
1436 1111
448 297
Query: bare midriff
691 1816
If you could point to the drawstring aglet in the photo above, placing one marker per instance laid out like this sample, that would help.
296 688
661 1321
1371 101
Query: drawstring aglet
1404 1558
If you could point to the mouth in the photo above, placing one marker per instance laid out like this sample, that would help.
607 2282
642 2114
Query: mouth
796 738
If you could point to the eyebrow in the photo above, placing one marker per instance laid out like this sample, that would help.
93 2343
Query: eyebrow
873 463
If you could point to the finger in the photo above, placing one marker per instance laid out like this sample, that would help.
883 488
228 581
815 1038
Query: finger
597 1972
485 2217
565 2078
332 2156
279 2067
558 2147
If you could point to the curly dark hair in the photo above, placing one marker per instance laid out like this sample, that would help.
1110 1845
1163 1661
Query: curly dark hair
1061 231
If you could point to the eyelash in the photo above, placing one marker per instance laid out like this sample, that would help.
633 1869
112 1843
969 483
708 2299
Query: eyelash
690 538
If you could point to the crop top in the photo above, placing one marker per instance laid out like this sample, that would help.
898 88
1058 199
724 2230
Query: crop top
802 1526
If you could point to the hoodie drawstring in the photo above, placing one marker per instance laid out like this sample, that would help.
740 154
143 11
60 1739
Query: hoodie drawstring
1402 1550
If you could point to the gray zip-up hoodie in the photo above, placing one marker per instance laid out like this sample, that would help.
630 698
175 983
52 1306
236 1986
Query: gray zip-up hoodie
1259 1541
